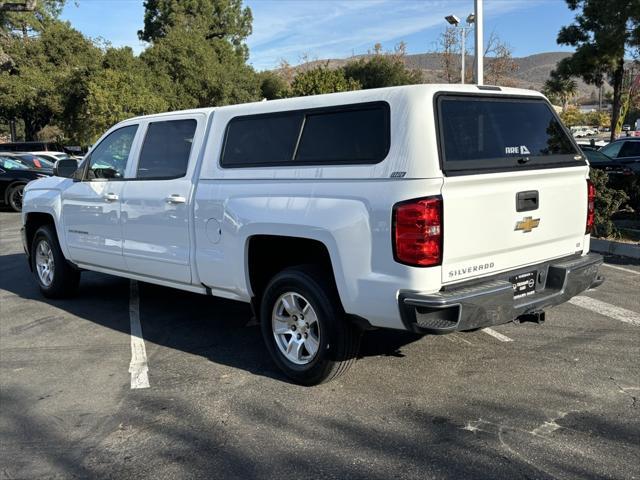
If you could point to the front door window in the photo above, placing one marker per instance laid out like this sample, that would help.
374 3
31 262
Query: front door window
108 160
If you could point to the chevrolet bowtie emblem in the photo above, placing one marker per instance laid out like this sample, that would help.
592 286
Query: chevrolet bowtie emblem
527 224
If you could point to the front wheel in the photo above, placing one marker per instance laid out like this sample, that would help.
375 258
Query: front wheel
304 327
56 278
14 197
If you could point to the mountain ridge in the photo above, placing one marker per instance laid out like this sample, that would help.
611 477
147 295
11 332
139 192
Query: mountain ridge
532 72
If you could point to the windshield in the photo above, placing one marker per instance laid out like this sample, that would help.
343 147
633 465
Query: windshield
486 132
11 164
612 149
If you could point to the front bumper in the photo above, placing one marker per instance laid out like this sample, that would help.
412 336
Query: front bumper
491 302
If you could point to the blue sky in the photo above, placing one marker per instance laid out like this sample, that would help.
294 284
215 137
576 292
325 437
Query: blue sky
293 29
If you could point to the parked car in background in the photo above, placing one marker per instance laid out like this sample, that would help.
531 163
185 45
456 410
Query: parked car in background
14 176
31 161
592 144
625 151
52 157
31 146
600 161
48 147
581 131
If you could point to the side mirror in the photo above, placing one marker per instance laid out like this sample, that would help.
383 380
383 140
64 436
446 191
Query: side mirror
65 168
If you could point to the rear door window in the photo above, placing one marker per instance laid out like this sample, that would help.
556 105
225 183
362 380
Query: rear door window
484 133
166 149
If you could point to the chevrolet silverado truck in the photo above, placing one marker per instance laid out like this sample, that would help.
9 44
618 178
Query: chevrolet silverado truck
428 208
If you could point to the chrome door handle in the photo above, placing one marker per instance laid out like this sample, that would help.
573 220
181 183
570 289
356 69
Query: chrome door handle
175 198
111 197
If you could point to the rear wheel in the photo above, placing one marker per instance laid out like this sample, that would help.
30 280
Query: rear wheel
56 278
304 327
14 197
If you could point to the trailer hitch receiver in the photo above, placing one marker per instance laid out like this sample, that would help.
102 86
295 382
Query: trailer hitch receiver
537 317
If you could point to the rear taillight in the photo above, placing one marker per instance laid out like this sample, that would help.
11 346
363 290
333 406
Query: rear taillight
417 232
591 206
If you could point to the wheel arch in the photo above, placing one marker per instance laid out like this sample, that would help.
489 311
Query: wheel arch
35 220
268 254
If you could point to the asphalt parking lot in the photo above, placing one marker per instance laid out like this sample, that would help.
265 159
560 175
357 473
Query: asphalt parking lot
553 401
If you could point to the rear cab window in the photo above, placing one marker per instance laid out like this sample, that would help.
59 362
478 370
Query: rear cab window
485 133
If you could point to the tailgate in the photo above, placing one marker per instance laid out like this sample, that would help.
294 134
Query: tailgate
484 233
515 190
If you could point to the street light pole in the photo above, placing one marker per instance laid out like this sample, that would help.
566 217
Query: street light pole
464 54
479 20
455 21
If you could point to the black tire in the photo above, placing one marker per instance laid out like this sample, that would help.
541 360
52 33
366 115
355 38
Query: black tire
339 340
65 278
14 197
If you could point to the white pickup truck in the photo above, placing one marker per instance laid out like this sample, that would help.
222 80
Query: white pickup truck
429 208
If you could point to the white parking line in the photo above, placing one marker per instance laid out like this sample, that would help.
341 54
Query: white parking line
138 367
628 270
603 308
494 334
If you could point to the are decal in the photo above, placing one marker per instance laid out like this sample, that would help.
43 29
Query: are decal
520 150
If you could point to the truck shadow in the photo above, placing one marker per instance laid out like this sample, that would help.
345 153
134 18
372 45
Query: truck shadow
346 432
152 434
220 330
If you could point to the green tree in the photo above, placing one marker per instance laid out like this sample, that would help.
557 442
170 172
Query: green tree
381 70
598 119
560 89
198 55
601 32
194 71
572 116
115 95
44 72
33 21
272 85
608 202
218 19
122 88
322 79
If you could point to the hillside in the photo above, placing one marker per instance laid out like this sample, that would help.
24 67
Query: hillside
532 72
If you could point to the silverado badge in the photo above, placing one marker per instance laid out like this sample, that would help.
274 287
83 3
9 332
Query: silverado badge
527 224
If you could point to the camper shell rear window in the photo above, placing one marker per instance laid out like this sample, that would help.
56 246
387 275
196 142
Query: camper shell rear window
492 133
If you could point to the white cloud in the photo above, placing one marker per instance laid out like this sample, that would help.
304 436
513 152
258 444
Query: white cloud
290 29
